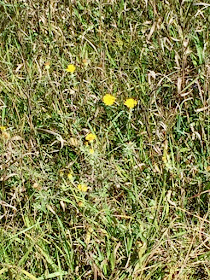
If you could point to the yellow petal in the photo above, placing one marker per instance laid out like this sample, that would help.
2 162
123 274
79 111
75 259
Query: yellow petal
71 68
70 176
90 137
91 151
109 99
130 103
82 188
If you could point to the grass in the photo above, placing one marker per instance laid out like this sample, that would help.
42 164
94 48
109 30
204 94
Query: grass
145 214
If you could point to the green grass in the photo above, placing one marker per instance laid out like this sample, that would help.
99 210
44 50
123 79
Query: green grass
146 212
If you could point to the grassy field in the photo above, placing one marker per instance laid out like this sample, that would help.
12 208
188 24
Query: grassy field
104 140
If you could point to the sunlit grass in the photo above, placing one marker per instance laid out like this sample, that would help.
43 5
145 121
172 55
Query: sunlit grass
104 140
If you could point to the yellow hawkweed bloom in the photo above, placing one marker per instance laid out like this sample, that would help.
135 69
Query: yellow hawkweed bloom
91 151
71 68
70 176
109 99
130 103
3 128
82 187
90 137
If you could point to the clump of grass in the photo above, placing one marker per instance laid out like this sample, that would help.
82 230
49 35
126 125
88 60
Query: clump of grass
104 155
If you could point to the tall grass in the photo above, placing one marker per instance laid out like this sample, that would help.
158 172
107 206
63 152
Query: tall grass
133 203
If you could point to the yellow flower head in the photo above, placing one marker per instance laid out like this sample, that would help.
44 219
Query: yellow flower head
109 99
91 151
82 187
90 137
71 68
70 176
130 103
3 128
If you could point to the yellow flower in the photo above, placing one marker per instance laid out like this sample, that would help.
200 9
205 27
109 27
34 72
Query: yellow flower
91 151
109 99
3 128
130 103
90 137
70 176
71 68
82 187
